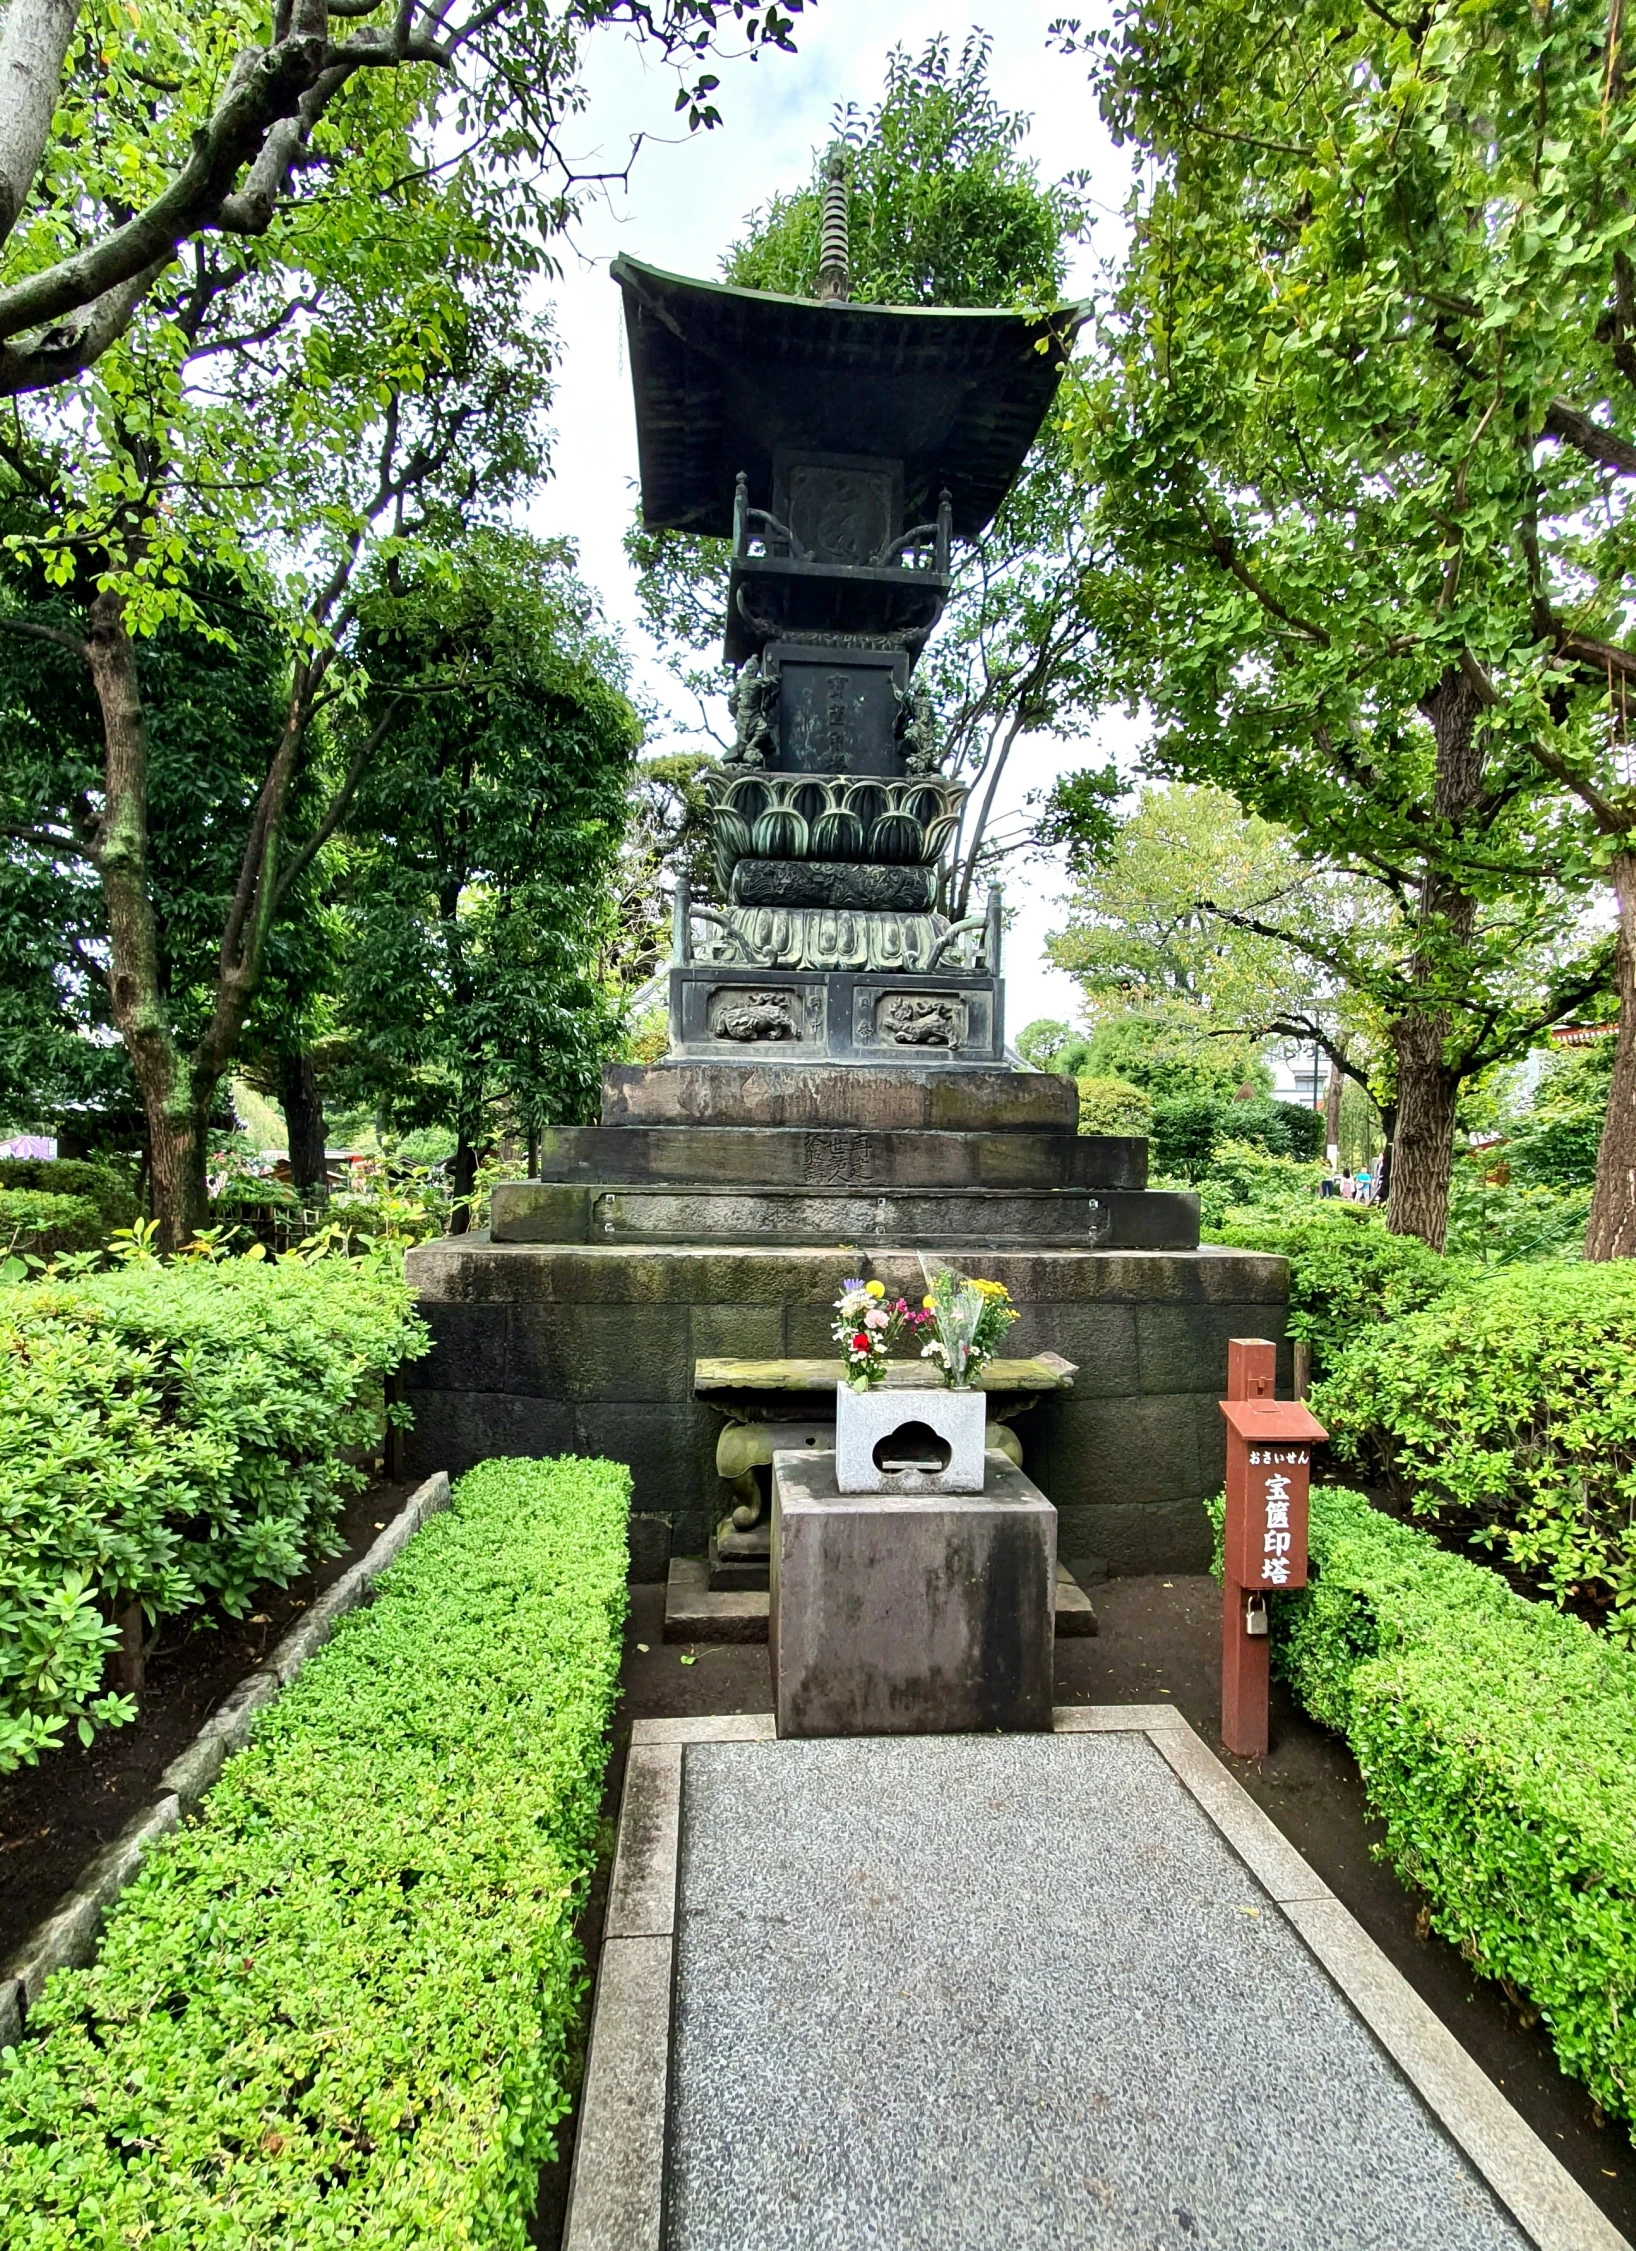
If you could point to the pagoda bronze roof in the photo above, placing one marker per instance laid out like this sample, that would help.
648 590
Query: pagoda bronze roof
726 378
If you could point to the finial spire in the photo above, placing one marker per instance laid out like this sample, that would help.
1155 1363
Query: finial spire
832 247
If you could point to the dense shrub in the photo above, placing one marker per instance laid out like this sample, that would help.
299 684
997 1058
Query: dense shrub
340 2006
109 1190
1347 1274
1112 1105
171 1436
1245 1179
1502 1222
1497 1741
1187 1128
1507 1409
35 1224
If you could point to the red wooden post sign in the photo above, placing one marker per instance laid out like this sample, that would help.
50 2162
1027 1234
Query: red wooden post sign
1269 1467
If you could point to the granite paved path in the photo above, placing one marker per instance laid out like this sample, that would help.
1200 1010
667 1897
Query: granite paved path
974 1994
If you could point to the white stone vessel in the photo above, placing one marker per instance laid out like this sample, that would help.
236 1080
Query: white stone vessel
890 1441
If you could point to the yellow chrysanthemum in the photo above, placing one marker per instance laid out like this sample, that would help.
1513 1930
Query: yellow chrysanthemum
875 1289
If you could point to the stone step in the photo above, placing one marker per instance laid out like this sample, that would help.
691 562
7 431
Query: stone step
839 1157
695 1612
533 1211
946 1097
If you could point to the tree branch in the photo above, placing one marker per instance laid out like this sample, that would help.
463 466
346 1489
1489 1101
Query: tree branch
1597 444
52 633
303 859
33 45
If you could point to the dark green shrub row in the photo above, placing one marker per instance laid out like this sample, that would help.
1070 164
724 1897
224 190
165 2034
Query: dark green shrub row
1507 1408
171 1436
1347 1274
340 2006
33 1222
109 1190
1185 1129
1497 1741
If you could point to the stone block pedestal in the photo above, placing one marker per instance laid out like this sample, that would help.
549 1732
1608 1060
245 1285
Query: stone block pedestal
910 1615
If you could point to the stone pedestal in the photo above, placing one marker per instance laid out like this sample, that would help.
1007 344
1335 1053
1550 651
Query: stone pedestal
894 1615
716 1211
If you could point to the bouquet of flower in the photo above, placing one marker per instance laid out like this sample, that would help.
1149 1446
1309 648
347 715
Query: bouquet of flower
867 1327
967 1321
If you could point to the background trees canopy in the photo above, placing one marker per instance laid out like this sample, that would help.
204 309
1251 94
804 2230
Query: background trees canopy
1360 459
133 135
945 210
263 310
213 701
476 885
1174 913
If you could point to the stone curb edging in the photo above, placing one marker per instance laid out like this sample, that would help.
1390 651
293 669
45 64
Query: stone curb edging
617 2190
67 1938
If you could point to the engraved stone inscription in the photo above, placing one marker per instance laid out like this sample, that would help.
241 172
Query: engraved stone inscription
836 1160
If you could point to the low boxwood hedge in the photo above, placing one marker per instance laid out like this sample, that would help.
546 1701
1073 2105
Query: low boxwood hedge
35 1223
1507 1410
1497 1742
341 2005
1347 1273
108 1190
172 1436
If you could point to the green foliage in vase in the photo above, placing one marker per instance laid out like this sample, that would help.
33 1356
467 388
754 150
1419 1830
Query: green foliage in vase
174 1437
343 2004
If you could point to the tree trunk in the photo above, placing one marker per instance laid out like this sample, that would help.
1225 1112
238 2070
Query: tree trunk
1332 1111
1423 1145
177 1109
1612 1229
302 1101
1428 1080
463 1180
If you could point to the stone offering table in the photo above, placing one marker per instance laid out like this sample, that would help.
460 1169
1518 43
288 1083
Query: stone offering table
896 1614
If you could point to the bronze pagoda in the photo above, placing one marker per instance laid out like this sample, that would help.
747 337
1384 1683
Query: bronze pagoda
843 449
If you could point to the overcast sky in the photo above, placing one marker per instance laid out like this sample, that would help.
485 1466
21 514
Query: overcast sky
687 200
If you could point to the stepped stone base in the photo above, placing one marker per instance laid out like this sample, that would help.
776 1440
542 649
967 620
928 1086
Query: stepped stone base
815 1157
531 1211
589 1348
937 1097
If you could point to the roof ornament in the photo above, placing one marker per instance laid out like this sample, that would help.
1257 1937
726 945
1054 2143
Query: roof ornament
833 270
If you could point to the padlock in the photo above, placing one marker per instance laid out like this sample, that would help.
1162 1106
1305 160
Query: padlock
1255 1615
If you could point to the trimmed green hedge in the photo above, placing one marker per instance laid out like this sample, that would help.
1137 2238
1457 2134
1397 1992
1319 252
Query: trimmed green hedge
171 1436
1347 1274
1497 1741
109 1190
31 1221
341 2006
1508 1408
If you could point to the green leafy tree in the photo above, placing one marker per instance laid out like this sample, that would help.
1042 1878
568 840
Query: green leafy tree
1174 918
1355 440
264 308
483 851
133 137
